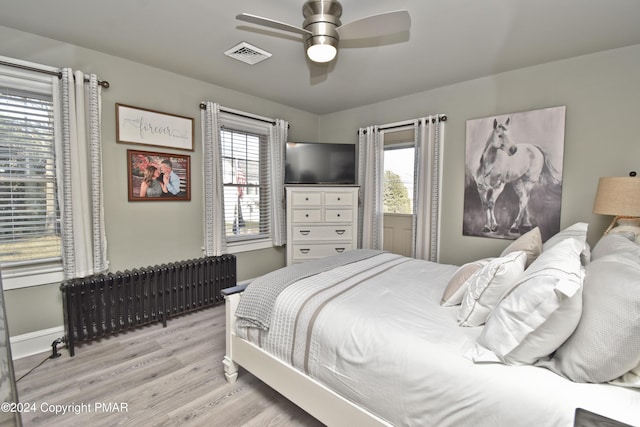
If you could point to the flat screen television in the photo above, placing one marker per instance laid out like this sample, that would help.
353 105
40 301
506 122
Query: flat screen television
318 163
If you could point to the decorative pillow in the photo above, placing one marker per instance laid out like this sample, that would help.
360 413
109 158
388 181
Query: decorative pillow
576 231
619 243
541 311
458 283
488 286
530 242
606 343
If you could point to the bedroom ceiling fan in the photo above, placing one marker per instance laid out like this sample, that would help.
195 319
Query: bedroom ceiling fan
322 29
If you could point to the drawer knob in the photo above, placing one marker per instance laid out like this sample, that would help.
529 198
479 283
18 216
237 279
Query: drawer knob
305 232
339 250
305 251
340 232
306 198
338 198
338 215
306 215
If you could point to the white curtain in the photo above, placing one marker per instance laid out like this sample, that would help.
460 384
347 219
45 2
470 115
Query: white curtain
215 243
429 133
277 140
370 175
79 173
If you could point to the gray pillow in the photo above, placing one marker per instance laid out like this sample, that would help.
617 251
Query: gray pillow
619 243
606 343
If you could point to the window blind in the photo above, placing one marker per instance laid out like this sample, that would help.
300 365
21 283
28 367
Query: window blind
29 213
246 185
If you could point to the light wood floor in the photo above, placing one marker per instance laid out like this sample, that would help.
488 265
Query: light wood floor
161 376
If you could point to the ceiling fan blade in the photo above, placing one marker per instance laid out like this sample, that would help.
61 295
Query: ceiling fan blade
376 25
254 19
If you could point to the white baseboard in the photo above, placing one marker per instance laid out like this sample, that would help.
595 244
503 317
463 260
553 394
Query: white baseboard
35 342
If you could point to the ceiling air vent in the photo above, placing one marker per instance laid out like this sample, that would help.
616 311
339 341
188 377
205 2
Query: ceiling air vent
247 53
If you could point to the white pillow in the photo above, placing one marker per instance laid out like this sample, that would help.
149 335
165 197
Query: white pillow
575 231
488 286
530 242
459 283
540 313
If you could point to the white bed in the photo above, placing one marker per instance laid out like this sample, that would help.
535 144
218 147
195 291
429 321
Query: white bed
369 343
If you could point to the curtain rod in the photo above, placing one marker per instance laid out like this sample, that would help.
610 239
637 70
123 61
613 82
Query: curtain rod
203 106
441 118
105 84
408 125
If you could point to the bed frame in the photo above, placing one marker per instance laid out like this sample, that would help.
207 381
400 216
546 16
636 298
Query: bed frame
322 403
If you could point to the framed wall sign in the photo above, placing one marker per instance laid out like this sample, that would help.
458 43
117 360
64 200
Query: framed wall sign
158 176
136 125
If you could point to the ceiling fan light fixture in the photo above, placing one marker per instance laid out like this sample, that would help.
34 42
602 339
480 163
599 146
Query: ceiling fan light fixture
321 48
322 29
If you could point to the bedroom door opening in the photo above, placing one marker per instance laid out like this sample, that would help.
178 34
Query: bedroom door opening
398 191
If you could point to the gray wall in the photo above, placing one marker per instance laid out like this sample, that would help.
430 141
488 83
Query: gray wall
601 93
141 233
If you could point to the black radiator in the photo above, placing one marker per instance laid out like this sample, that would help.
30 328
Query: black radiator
104 304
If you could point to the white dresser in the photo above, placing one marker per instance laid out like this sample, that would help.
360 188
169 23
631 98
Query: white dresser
321 221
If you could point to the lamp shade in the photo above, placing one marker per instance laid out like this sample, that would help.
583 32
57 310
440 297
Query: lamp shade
321 48
618 196
321 52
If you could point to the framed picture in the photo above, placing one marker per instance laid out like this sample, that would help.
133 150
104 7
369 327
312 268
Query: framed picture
513 174
147 127
158 176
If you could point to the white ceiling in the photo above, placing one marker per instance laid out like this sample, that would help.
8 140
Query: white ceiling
450 41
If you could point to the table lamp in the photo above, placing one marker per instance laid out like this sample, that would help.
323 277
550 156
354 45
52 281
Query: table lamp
620 197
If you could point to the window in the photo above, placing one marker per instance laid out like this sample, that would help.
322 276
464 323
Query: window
29 213
398 179
243 180
246 189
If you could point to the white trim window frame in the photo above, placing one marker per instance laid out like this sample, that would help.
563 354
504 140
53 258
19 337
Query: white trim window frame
30 239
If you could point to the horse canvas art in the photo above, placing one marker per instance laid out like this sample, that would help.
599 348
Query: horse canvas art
514 179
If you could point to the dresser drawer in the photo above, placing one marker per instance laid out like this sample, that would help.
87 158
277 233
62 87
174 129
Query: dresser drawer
338 215
306 199
304 252
338 199
322 232
307 215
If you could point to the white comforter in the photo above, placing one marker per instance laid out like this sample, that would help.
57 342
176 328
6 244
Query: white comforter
374 331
